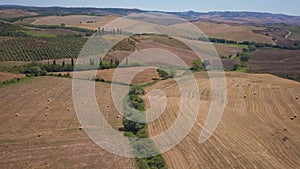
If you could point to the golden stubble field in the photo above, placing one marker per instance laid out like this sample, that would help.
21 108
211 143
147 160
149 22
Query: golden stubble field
39 127
230 32
256 130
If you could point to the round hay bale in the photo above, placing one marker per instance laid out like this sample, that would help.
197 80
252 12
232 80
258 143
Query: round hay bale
80 128
297 97
292 118
48 100
46 114
285 138
69 109
52 89
107 106
118 116
295 115
48 107
17 114
245 96
40 134
254 93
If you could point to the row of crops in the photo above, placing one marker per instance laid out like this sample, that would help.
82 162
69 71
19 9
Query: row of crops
40 48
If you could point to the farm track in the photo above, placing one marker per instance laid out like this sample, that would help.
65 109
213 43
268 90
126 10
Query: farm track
61 144
254 132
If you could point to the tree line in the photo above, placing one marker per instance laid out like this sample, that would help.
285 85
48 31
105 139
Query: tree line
134 109
295 46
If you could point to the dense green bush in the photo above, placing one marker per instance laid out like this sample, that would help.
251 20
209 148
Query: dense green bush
244 57
136 90
163 74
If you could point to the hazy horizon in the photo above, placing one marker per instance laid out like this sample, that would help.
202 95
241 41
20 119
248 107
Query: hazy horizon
289 7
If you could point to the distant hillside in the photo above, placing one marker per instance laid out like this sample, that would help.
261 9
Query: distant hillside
240 17
222 17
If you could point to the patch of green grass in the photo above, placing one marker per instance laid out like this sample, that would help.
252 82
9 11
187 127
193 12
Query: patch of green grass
14 81
294 29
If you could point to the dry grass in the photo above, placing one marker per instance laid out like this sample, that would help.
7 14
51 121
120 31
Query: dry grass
254 132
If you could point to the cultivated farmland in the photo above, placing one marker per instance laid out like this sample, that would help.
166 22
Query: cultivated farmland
284 63
237 32
39 127
81 21
259 127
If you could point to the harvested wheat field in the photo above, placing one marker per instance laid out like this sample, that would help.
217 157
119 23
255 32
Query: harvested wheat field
142 74
7 76
188 55
39 128
229 32
260 127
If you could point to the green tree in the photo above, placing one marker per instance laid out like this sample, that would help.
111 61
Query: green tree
244 57
163 74
252 48
235 67
63 25
197 65
72 62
